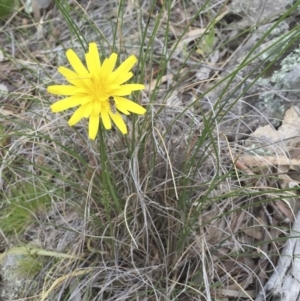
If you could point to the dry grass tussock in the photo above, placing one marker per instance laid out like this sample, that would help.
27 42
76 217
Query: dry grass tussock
179 220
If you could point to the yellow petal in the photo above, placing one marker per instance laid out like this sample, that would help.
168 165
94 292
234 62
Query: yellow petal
97 107
65 90
126 66
123 110
67 73
106 120
119 122
72 77
77 65
93 59
123 103
69 102
93 126
113 87
88 110
127 89
109 64
122 78
77 116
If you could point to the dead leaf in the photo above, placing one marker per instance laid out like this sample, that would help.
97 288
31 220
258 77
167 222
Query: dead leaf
254 232
6 112
268 140
37 6
263 161
239 220
194 34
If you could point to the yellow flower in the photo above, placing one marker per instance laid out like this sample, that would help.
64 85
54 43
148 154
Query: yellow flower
98 90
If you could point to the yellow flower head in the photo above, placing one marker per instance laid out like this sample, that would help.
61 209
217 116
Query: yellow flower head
98 90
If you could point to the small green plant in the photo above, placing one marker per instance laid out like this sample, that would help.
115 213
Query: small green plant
29 266
6 7
23 207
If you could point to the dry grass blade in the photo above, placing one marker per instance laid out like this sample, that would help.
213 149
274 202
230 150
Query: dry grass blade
197 201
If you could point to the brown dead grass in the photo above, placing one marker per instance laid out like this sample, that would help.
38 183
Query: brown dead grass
222 242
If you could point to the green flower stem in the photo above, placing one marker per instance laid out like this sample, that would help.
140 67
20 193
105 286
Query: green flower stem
106 180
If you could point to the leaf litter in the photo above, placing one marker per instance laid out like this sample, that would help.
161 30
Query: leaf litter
239 231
